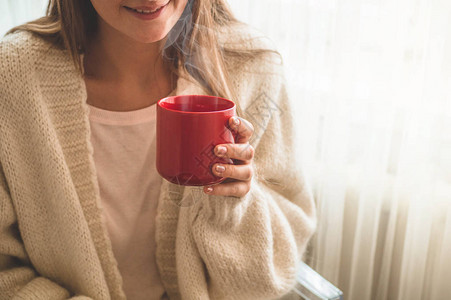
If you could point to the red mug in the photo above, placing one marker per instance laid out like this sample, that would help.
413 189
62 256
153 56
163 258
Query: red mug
188 129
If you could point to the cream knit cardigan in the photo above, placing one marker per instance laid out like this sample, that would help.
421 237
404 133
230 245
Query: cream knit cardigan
53 241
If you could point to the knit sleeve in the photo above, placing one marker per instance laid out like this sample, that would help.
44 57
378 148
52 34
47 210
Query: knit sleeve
18 279
248 247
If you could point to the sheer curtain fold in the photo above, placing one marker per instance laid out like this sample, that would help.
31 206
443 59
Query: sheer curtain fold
15 12
372 86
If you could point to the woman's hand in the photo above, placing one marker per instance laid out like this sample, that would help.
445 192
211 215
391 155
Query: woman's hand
242 153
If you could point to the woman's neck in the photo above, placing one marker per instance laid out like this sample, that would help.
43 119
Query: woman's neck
114 57
122 74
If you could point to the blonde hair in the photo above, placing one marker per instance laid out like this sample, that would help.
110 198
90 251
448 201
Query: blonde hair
192 43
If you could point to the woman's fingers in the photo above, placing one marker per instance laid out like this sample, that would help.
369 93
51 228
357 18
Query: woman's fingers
234 189
239 172
244 152
244 128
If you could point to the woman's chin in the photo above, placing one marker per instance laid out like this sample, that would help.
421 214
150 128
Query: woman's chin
148 38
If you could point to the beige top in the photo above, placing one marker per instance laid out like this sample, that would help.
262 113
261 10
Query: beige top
124 154
53 242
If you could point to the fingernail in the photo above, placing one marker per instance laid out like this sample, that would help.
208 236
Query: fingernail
236 121
222 150
209 189
220 168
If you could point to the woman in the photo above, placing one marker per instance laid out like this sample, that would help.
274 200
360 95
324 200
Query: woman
77 100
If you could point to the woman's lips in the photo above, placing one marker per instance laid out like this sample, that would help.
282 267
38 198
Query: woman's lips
147 8
147 12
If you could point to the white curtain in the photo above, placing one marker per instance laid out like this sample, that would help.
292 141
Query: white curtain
15 12
372 80
372 84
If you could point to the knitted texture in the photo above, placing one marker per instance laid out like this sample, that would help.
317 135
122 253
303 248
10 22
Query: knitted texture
53 241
